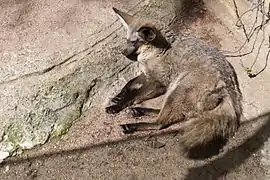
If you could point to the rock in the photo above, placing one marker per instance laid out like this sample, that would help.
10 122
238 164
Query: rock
55 57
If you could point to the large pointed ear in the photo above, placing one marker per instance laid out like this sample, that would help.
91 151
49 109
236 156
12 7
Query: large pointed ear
125 18
147 33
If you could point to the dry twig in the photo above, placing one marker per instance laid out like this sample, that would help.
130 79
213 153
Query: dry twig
253 33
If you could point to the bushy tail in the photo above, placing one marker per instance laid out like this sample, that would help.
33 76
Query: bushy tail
206 135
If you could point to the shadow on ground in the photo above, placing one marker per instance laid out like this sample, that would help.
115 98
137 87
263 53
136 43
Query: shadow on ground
212 170
235 157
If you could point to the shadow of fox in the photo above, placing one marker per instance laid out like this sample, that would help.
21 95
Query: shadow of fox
200 86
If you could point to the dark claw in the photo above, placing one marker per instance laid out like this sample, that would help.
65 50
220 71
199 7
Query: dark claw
113 109
128 128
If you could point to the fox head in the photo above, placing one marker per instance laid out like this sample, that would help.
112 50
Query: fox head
139 33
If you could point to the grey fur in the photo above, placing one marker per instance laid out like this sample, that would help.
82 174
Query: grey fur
201 88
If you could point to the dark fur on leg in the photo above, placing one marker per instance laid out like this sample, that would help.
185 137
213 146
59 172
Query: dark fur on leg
140 126
135 91
141 111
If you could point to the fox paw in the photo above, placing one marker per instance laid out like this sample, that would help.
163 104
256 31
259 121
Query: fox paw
113 109
128 128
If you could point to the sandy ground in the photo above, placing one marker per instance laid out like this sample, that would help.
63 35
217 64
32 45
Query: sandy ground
151 156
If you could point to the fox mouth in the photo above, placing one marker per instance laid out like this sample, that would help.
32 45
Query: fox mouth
131 53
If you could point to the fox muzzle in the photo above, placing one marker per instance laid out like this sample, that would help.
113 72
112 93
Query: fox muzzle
130 53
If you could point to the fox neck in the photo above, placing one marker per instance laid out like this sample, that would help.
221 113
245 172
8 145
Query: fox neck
154 61
148 52
155 49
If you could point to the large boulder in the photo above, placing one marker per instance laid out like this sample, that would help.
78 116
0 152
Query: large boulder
55 57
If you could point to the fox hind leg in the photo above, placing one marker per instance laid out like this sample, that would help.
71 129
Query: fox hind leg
165 118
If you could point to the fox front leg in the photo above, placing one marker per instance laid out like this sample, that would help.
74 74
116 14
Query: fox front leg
127 95
135 91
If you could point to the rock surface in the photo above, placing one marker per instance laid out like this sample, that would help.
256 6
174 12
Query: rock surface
55 56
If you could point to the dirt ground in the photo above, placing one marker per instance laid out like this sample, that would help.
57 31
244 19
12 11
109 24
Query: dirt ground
150 156
154 157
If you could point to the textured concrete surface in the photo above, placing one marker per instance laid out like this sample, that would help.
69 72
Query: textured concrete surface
61 64
55 56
